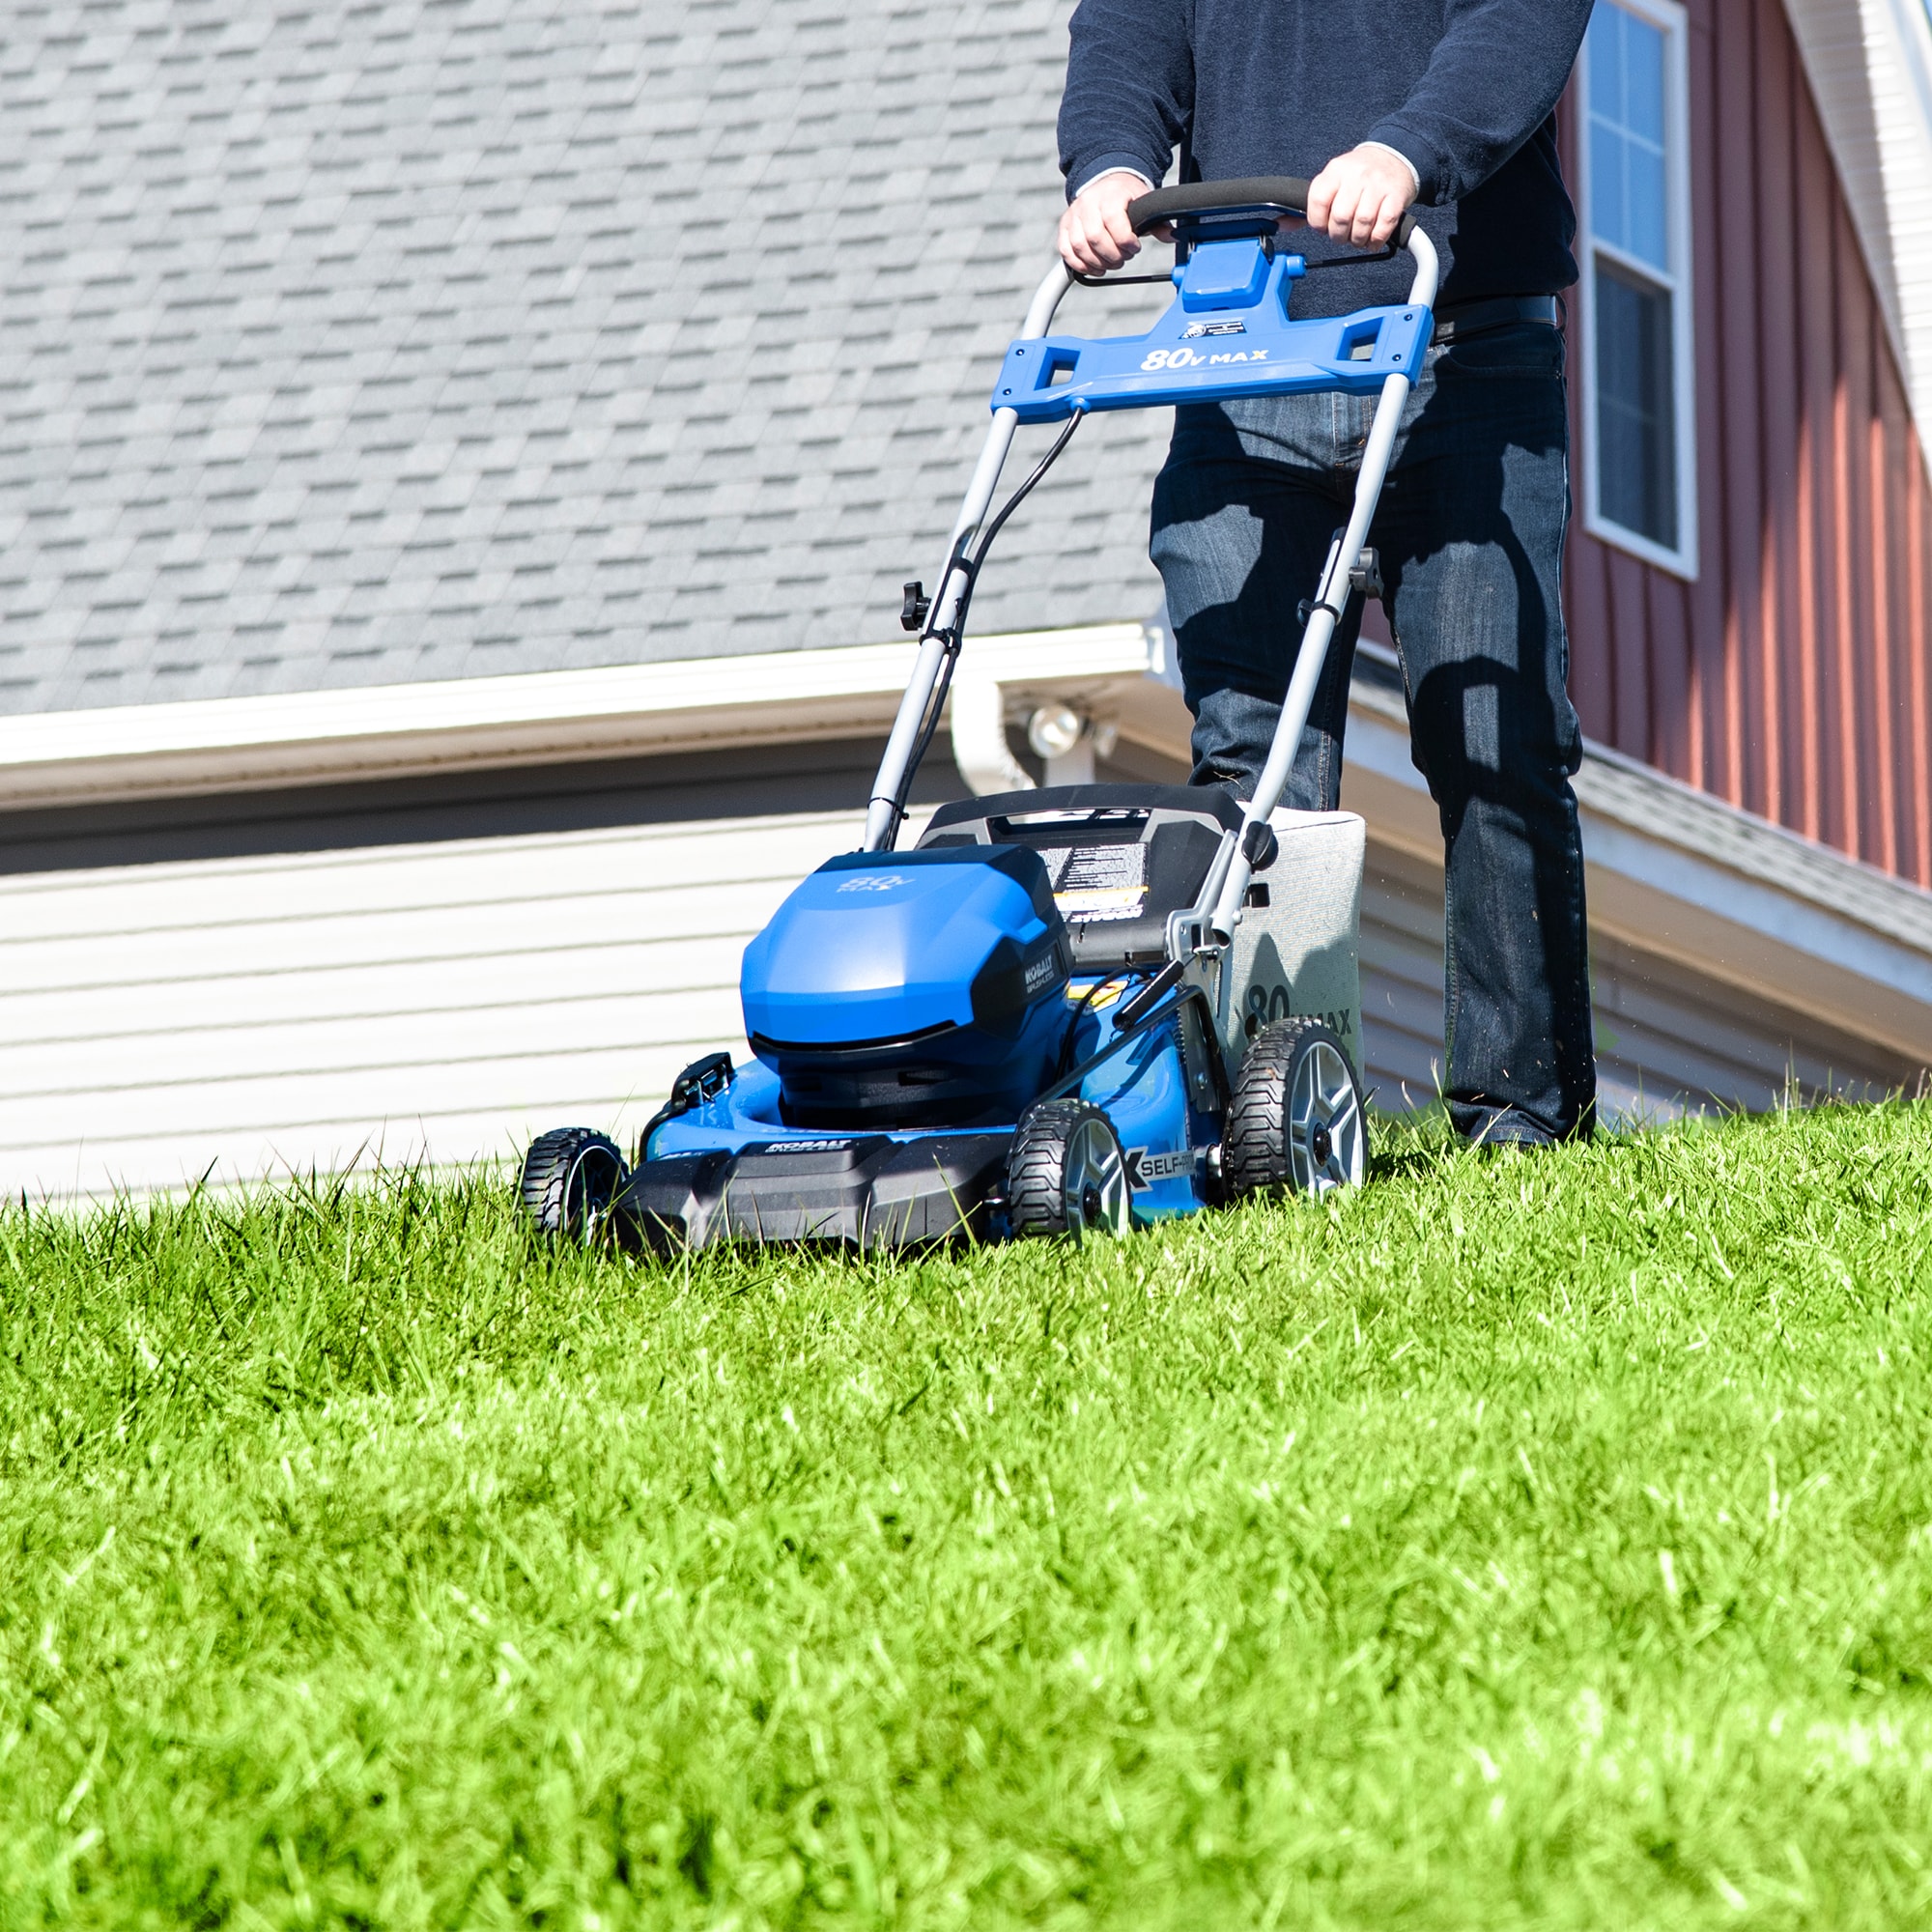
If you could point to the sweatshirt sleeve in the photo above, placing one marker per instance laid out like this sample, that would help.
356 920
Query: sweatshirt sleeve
1494 78
1129 89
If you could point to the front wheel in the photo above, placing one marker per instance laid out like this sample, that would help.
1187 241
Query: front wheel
1297 1119
571 1176
1066 1173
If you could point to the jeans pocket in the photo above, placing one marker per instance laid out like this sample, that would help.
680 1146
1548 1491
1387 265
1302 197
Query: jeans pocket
1512 348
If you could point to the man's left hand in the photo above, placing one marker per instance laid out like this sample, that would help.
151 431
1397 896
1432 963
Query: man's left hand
1359 197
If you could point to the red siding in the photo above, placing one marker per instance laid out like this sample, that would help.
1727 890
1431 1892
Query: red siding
1791 677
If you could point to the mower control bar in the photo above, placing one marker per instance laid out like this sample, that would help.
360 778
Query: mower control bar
1229 335
1252 205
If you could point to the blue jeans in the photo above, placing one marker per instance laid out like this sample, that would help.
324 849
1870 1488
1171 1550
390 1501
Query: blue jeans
1470 532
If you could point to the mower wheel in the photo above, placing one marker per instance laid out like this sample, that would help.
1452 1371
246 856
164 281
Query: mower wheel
571 1176
1066 1173
1296 1118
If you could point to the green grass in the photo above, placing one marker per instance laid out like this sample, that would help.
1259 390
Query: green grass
1522 1540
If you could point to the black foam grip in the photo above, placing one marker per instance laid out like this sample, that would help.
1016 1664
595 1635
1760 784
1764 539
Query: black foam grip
1289 194
1256 194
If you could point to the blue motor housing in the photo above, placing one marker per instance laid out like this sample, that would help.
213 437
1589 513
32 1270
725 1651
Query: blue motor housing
911 989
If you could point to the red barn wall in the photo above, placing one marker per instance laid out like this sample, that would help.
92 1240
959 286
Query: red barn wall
1792 677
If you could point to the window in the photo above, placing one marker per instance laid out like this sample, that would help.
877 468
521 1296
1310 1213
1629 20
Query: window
1639 421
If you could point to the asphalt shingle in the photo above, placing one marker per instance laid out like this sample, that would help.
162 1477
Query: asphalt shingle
440 340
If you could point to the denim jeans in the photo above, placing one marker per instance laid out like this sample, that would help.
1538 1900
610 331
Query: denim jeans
1471 533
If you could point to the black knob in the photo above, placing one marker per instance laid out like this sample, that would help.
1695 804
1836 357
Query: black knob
911 613
1259 846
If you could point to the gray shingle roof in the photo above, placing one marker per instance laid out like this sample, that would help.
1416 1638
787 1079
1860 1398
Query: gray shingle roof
358 344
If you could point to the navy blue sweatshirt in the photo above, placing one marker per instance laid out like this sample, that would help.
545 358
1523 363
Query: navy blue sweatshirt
1465 89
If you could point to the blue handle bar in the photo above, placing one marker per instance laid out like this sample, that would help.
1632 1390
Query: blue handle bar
1226 334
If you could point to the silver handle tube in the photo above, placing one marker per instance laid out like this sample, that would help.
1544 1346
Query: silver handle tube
1428 269
882 815
1330 601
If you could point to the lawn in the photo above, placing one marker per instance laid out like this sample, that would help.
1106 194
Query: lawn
1524 1541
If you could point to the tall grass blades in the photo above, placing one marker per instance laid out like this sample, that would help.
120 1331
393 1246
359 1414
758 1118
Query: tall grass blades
1517 1540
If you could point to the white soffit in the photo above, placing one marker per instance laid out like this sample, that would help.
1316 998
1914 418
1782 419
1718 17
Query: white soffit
1869 63
244 744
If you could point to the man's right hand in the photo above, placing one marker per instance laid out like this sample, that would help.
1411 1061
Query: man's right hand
1094 233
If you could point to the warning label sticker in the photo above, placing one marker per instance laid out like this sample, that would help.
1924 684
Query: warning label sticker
1098 882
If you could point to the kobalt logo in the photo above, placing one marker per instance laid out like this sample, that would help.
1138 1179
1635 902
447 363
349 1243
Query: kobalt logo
873 882
1039 974
1192 359
1144 1169
808 1146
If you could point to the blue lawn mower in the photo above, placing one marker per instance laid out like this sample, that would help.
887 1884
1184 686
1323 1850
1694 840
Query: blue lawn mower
1067 1009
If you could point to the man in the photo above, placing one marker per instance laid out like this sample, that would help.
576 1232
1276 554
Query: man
1448 105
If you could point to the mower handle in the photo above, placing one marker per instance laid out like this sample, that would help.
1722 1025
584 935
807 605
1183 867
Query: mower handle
1255 197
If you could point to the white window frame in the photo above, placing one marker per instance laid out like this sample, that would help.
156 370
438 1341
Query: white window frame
1673 22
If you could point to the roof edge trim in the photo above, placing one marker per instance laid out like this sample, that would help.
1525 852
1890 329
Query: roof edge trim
1869 67
317 737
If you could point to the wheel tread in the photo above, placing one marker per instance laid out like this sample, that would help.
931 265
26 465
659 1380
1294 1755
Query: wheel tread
1036 1166
1254 1149
1037 1172
543 1185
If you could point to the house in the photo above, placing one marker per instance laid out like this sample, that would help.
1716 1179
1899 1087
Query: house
459 458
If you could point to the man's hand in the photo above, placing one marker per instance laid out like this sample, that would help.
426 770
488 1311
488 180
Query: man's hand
1094 233
1359 197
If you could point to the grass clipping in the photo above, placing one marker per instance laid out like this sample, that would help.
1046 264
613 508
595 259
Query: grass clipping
1532 1540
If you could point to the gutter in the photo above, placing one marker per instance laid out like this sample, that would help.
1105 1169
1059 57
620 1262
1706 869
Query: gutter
124 752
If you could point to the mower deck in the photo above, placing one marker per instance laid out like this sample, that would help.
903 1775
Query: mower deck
861 1190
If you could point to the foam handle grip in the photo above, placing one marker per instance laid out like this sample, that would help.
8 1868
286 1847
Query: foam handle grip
1256 195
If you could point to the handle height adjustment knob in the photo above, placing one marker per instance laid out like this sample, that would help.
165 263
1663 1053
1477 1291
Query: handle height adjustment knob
913 612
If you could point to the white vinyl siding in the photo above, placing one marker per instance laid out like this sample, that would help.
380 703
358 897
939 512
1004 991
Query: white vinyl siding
1669 1040
1638 371
246 1017
249 1016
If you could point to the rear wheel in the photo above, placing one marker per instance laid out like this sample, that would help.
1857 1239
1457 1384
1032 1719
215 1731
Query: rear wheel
571 1176
1297 1119
1066 1173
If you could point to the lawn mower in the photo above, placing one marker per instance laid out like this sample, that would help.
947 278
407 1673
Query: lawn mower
1069 1009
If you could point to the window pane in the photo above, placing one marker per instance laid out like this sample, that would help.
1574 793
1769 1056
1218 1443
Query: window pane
1610 206
1637 432
1626 174
1646 226
1607 64
1643 80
